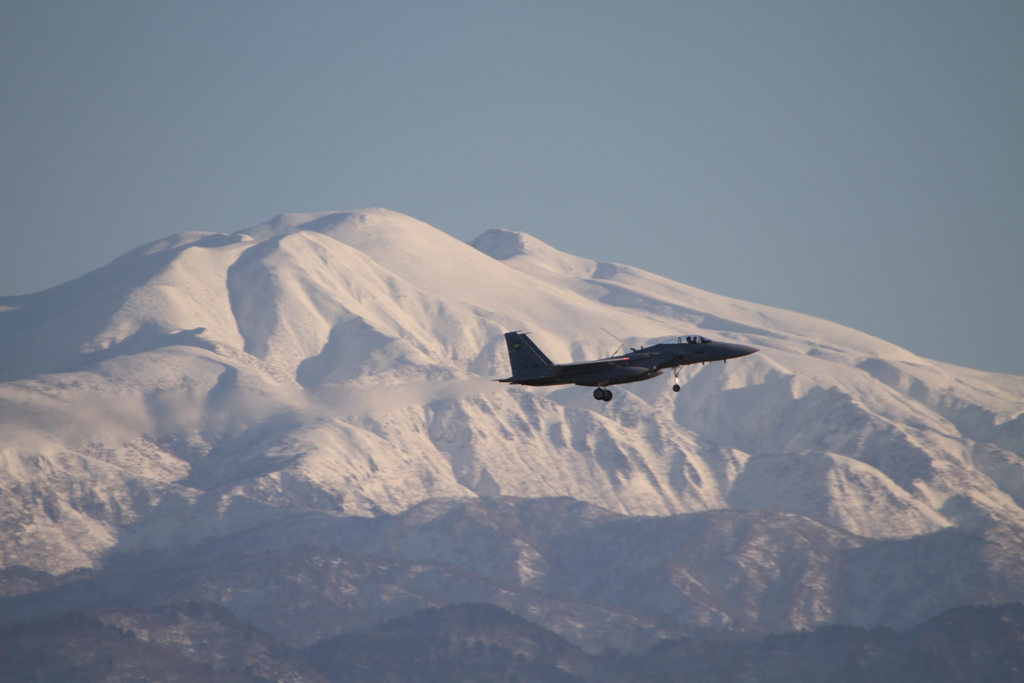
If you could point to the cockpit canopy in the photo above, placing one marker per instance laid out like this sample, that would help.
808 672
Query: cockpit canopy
697 339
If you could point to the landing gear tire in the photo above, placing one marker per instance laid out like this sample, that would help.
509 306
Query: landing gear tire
607 396
602 394
675 388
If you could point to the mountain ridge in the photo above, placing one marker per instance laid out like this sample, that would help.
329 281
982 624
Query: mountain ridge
339 364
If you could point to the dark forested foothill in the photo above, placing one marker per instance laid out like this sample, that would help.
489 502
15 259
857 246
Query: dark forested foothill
469 642
482 643
76 647
972 643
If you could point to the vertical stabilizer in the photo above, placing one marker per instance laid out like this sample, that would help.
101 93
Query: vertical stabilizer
523 355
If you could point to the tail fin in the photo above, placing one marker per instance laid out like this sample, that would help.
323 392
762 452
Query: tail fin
523 355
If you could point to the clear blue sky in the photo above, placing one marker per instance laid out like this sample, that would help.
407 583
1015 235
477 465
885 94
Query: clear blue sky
862 161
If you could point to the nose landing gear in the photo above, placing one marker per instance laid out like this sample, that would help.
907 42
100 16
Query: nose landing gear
675 381
602 394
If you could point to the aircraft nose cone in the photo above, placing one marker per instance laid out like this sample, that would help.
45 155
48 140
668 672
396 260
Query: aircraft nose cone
743 350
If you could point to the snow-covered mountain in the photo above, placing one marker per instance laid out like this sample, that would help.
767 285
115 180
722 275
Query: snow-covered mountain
339 364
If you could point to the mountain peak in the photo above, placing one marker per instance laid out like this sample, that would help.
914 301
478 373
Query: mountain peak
531 254
326 221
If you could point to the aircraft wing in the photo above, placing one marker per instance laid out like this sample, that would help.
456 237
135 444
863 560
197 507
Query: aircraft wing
589 365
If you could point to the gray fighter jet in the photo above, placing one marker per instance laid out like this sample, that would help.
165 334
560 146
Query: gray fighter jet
531 367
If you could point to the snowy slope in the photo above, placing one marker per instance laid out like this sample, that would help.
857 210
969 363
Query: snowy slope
944 434
340 362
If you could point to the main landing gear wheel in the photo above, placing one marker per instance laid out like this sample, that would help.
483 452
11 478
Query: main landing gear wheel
675 373
602 394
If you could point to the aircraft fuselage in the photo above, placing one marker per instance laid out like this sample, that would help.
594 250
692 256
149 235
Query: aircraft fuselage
532 368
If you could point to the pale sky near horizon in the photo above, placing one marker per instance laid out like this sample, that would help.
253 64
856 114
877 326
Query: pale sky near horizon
862 162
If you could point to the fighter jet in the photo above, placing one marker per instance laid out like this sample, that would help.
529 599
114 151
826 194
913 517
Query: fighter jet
531 367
